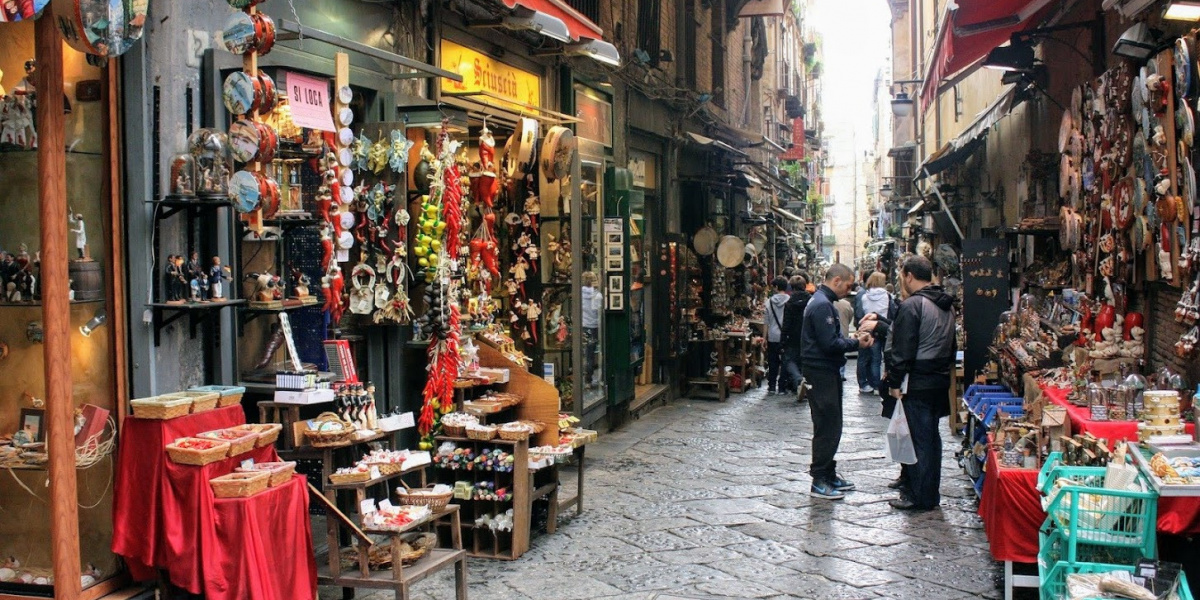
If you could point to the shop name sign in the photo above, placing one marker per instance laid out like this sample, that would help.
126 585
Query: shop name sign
482 73
308 99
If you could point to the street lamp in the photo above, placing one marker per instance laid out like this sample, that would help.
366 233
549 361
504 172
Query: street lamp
902 103
885 190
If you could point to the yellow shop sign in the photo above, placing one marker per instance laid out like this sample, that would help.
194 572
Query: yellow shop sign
481 72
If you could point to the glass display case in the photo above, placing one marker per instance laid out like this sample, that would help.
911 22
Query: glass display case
26 510
591 294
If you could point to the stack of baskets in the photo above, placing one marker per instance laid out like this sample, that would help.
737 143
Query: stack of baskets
1099 519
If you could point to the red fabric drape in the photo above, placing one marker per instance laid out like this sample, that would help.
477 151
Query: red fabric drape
1011 509
165 515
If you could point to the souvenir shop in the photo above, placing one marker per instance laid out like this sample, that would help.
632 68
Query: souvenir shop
385 286
61 325
1081 426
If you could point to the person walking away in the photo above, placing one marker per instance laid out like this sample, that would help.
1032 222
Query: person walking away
774 319
793 320
919 363
823 348
874 299
592 299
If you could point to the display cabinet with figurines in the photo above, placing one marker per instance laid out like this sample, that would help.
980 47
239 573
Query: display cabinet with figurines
90 301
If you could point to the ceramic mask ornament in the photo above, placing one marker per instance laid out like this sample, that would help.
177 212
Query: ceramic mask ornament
398 153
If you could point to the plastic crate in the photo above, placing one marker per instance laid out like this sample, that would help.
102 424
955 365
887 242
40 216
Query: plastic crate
1054 546
1087 513
979 404
1054 579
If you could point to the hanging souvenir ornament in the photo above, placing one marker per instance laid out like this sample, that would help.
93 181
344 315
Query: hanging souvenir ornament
398 151
362 152
377 160
104 29
362 296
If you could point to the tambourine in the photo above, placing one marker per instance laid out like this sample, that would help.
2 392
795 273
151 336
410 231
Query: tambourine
242 93
1065 168
271 197
244 140
24 11
270 94
508 161
558 152
104 29
265 33
1066 127
245 191
527 144
239 33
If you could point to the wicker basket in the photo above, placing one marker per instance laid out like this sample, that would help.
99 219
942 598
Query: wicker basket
514 435
279 472
230 394
240 485
240 441
482 433
160 407
268 433
347 478
387 468
196 456
417 497
201 401
343 432
454 430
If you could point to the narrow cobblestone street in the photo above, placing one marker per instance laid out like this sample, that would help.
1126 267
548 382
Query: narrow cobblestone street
700 499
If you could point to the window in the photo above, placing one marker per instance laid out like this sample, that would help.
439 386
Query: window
718 52
649 18
588 8
689 44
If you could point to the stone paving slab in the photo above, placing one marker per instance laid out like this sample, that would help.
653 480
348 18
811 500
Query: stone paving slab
707 501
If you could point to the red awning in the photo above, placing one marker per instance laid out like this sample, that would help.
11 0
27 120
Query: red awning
579 25
972 30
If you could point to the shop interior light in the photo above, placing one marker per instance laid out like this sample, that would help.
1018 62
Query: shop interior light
1138 43
1015 56
1182 11
96 322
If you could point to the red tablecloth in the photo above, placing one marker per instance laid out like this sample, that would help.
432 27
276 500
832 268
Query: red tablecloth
1113 431
1011 508
165 515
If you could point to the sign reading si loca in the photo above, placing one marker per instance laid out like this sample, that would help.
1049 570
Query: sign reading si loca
308 99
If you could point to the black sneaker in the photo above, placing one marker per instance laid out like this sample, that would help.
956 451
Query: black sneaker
823 489
897 484
841 485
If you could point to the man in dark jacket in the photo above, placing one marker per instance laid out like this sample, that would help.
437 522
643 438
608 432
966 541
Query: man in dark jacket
823 351
920 356
793 319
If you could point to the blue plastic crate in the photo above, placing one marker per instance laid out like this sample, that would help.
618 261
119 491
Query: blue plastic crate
1054 579
1086 513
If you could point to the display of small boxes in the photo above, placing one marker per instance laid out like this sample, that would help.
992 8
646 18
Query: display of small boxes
291 380
229 394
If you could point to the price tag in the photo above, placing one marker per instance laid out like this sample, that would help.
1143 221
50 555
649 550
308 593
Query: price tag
368 506
406 420
308 99
375 474
249 462
385 505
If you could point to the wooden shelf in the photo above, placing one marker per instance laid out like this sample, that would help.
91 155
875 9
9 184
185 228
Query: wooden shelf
435 561
362 485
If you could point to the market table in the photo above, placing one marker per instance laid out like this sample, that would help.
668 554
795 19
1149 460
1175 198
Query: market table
166 517
1011 509
1081 422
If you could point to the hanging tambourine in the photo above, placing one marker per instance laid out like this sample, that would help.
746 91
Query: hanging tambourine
1065 169
705 240
558 152
527 144
731 251
21 11
508 162
1075 111
1065 129
104 29
244 191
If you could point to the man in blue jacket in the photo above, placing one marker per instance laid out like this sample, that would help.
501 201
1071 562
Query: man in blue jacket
823 352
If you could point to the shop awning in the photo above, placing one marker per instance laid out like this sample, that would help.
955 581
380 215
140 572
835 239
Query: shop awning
787 214
776 182
578 25
717 144
968 32
961 147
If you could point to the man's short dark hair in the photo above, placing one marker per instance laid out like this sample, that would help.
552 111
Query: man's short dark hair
798 282
840 270
780 283
919 267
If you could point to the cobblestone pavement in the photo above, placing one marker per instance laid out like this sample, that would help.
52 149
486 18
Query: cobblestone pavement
701 499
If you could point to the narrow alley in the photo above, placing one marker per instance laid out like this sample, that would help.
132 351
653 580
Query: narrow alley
701 499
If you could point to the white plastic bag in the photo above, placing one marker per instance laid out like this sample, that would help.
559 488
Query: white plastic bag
899 440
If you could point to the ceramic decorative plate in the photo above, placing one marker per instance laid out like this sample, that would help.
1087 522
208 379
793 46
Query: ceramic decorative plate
347 177
104 28
346 239
239 33
346 219
345 136
345 116
346 194
244 140
345 157
345 95
239 93
244 191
